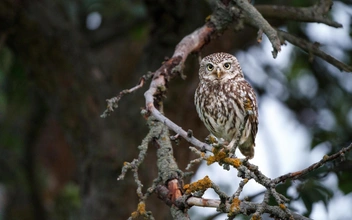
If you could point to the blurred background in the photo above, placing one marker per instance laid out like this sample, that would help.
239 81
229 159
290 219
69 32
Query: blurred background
60 60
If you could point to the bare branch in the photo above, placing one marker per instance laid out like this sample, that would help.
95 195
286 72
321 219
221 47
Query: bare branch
188 44
113 102
176 128
256 19
246 207
298 174
315 13
313 48
137 162
198 160
203 202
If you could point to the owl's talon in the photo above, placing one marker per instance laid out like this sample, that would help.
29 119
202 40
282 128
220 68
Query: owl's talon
211 139
232 155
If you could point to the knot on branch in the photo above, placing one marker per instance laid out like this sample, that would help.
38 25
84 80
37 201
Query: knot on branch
170 68
224 15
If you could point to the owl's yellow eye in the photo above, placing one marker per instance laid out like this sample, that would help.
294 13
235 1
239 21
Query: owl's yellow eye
210 67
227 65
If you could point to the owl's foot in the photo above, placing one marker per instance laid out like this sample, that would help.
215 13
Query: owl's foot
217 142
232 150
229 148
211 139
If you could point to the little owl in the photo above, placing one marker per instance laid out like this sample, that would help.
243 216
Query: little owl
224 100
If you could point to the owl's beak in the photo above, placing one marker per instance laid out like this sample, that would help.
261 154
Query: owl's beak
218 72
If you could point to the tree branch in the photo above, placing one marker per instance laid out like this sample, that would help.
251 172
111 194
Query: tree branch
256 19
326 158
248 171
315 13
113 102
247 207
313 48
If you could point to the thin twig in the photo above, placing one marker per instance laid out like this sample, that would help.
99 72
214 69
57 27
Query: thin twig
202 157
137 162
113 102
298 174
240 188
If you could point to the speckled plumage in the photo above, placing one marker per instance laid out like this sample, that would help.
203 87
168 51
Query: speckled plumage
223 99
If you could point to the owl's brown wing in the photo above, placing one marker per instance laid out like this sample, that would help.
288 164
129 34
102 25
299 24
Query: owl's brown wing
252 109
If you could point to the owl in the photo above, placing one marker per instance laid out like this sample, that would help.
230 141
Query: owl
225 100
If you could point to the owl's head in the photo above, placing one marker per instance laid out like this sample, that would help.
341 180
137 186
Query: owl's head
219 67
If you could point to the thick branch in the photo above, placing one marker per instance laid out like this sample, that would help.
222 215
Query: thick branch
256 19
188 44
171 125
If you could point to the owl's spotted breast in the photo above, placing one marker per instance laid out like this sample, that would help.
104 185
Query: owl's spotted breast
222 111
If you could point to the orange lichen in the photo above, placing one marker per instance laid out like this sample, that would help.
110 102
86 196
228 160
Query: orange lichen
282 206
125 163
256 217
134 214
202 184
219 156
212 139
140 210
233 161
186 186
222 157
235 205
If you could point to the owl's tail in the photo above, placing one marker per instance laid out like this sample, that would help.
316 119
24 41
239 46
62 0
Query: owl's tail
247 148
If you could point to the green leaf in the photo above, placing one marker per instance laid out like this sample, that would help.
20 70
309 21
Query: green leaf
313 191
